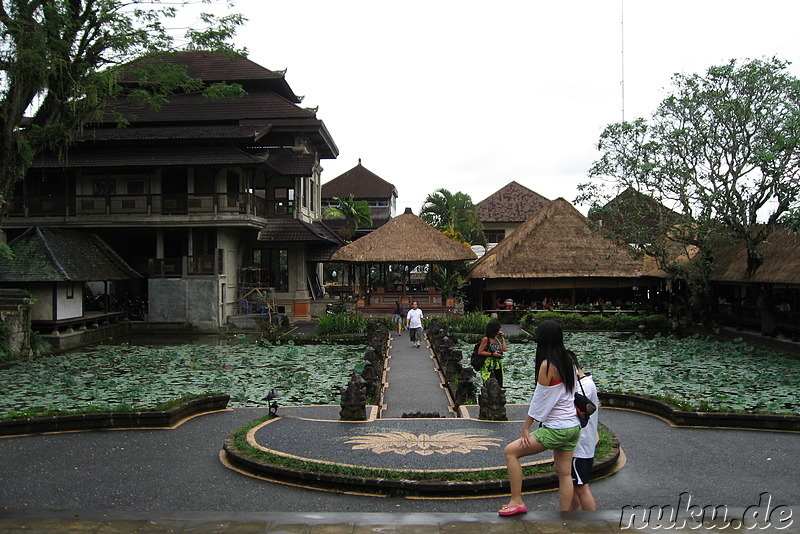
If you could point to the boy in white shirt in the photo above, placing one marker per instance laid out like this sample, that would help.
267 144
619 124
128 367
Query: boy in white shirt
583 456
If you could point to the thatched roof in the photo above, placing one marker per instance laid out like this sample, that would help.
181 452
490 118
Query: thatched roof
781 264
404 239
511 203
53 255
557 242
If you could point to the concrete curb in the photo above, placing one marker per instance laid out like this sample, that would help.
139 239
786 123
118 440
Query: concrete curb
111 420
322 479
789 423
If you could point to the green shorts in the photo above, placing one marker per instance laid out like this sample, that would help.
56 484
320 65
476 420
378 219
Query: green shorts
561 439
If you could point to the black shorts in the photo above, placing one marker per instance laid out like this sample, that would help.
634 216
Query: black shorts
581 470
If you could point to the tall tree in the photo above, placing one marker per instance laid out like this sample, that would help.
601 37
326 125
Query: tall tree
59 61
453 212
722 151
356 213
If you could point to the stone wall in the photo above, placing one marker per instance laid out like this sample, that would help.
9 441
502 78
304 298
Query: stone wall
15 315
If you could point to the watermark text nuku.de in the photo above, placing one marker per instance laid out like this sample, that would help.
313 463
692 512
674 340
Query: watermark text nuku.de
686 515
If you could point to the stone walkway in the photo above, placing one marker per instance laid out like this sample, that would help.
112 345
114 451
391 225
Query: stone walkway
413 383
607 522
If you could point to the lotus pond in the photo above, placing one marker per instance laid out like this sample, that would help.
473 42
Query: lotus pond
702 373
707 374
142 376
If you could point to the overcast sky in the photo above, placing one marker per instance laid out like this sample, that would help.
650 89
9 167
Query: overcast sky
468 95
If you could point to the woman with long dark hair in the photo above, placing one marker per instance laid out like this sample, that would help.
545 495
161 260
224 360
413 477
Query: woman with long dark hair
553 406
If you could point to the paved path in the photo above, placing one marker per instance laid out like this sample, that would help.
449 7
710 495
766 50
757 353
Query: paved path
413 383
162 472
179 470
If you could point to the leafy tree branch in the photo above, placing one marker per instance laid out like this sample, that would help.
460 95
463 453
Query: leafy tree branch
62 61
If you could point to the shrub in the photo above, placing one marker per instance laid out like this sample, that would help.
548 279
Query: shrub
39 345
623 322
7 352
472 323
595 321
655 322
341 323
532 318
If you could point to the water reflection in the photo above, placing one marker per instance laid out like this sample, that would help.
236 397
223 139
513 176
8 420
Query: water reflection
172 339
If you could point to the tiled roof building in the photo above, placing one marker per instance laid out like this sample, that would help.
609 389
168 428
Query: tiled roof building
506 209
363 184
185 192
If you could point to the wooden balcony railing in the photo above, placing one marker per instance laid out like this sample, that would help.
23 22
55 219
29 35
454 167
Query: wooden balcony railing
150 204
211 264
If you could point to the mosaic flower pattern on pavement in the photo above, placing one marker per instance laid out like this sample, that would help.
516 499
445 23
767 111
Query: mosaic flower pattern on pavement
423 444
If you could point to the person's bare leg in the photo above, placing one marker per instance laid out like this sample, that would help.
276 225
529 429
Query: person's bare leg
576 502
513 452
584 496
563 466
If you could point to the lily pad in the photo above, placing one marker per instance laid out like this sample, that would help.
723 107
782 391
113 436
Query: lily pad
695 370
144 376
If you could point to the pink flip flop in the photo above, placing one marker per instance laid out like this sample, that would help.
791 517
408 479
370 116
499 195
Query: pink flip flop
512 509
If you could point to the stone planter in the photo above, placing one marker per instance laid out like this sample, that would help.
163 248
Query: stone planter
790 423
108 420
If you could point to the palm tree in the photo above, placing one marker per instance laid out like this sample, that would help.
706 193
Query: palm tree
357 214
453 212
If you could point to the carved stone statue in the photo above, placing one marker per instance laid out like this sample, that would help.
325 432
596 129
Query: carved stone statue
467 389
354 400
492 401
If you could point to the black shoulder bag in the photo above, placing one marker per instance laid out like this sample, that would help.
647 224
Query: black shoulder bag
583 406
477 359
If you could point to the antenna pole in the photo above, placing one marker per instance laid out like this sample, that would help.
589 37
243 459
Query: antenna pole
622 43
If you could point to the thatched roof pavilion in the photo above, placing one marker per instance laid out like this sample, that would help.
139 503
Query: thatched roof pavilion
556 248
406 239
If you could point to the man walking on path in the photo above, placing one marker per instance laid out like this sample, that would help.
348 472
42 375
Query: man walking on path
414 324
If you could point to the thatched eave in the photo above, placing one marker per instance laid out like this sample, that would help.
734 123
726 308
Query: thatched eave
404 239
781 253
557 242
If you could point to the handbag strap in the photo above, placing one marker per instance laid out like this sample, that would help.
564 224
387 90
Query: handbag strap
581 385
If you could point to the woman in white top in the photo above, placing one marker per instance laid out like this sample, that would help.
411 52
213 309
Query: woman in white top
553 405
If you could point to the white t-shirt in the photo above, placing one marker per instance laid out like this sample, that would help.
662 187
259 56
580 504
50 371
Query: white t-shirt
414 317
588 441
554 406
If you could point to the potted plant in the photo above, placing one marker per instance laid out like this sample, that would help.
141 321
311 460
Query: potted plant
450 282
